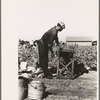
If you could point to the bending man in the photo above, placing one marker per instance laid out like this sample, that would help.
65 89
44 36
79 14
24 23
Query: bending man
45 44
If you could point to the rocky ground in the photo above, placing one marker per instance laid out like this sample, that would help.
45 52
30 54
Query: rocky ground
82 88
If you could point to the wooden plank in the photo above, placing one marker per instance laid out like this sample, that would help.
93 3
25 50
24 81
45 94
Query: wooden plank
57 66
72 68
66 66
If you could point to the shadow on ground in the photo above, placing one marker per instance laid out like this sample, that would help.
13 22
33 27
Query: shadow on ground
46 94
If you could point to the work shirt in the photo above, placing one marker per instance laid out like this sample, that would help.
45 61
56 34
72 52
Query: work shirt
50 36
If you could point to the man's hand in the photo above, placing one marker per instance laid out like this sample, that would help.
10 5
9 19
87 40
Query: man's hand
58 48
52 54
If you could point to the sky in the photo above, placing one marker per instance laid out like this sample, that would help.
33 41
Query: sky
38 16
32 18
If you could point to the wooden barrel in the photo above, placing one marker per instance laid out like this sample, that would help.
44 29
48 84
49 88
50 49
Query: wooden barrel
36 90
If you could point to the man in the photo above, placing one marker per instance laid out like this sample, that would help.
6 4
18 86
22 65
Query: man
45 44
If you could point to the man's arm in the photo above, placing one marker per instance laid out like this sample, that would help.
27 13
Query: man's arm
56 40
52 38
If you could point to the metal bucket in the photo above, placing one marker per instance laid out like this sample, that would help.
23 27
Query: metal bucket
22 88
36 90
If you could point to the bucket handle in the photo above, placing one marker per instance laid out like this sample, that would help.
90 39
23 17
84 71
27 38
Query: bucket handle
34 87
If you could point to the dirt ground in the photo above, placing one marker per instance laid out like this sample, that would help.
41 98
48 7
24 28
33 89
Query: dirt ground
82 88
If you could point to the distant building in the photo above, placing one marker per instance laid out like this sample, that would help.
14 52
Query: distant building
81 41
94 43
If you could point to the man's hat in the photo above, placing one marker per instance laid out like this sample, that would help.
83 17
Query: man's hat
61 24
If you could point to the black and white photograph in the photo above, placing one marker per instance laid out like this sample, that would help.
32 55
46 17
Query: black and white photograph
50 49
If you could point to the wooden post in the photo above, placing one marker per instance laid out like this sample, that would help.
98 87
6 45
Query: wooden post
72 68
57 66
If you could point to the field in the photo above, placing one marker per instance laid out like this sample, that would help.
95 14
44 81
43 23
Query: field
81 88
83 54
